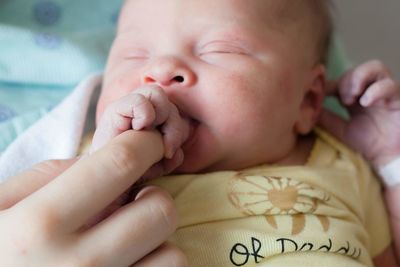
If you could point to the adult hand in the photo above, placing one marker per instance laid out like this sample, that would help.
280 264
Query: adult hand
43 211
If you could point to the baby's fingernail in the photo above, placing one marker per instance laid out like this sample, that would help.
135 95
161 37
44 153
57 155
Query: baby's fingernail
364 100
169 154
136 125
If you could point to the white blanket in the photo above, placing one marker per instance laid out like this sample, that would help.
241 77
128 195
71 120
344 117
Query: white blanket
55 136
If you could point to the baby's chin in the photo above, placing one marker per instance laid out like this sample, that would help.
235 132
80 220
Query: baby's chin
188 167
197 164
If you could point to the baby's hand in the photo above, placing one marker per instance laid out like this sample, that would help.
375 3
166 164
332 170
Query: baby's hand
147 107
373 100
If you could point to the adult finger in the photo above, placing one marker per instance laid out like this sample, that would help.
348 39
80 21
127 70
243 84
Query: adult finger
166 255
133 231
94 182
29 181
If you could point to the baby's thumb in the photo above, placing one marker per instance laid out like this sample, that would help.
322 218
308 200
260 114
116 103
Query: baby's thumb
24 184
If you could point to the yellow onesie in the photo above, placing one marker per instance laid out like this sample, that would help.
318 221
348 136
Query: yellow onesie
328 212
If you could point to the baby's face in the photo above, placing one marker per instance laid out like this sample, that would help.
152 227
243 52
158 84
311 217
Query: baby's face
224 64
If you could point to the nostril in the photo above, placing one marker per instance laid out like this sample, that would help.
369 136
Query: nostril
179 79
149 80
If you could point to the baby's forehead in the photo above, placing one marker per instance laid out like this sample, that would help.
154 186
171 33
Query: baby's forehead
288 18
274 12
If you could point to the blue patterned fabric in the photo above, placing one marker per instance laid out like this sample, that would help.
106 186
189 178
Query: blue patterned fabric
48 46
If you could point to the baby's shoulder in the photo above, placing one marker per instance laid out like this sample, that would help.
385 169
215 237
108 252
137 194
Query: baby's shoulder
329 151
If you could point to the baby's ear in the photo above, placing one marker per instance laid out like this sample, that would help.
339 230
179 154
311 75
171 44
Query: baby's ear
313 96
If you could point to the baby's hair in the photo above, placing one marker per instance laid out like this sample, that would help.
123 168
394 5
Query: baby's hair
316 17
324 27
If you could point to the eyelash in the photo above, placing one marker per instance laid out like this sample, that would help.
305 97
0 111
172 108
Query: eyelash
211 48
223 49
135 57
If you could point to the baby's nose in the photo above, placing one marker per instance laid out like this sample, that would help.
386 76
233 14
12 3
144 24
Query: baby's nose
169 71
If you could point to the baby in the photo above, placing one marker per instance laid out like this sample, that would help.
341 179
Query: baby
236 88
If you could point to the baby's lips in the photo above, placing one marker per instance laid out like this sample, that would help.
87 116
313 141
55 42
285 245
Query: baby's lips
189 126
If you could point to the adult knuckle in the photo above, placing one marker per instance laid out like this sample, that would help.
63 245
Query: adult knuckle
122 158
49 166
163 206
44 220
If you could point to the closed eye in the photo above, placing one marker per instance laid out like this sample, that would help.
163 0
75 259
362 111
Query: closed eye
135 57
223 48
136 54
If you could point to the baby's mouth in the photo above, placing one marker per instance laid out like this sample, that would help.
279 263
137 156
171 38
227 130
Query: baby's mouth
190 140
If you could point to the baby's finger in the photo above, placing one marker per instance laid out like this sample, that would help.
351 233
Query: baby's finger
133 231
175 131
118 118
386 90
174 162
163 167
143 113
356 81
167 255
94 182
159 100
155 171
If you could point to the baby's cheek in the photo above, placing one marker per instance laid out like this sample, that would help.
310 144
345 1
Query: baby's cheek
101 105
114 89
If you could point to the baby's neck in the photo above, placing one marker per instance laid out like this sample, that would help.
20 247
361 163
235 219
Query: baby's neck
300 153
